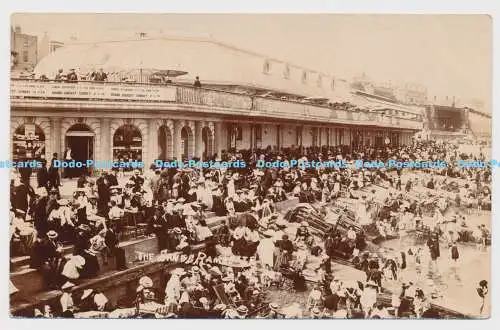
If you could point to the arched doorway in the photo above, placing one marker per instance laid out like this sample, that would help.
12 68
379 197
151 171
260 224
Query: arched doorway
207 142
28 143
127 144
186 142
165 143
80 139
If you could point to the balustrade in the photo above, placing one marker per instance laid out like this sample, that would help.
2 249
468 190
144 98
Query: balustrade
134 92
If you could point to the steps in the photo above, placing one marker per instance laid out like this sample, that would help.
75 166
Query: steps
30 281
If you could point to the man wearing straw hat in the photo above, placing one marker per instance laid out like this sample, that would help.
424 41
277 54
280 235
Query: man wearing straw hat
173 288
66 300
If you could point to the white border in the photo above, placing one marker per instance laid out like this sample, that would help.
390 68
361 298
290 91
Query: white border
311 6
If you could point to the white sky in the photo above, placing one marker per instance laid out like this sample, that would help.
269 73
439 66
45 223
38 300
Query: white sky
450 54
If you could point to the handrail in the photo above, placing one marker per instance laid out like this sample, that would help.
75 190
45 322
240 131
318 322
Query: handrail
191 95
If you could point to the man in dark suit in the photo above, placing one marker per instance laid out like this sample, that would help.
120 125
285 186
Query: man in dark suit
158 226
42 176
47 258
111 240
103 192
197 82
72 77
25 173
39 212
100 76
54 178
112 178
138 181
19 195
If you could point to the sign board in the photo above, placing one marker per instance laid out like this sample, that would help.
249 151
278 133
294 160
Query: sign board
29 131
82 90
201 258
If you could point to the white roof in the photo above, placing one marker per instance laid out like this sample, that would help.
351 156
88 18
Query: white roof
375 105
212 61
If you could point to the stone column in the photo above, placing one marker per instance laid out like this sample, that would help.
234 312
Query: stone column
177 140
218 143
278 137
252 136
56 139
106 152
153 141
198 140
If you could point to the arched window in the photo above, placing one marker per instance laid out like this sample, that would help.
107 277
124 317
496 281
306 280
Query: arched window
127 144
28 143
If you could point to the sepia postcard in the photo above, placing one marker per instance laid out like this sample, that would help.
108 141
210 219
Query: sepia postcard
250 166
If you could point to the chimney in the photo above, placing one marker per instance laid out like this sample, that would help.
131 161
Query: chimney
18 29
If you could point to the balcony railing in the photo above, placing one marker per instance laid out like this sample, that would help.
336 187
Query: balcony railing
153 93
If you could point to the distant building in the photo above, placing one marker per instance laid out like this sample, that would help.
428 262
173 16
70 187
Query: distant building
26 47
47 46
365 85
412 94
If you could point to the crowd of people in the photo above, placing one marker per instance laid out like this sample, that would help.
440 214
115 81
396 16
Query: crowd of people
72 76
174 205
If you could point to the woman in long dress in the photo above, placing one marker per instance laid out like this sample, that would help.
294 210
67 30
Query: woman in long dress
265 250
483 291
363 217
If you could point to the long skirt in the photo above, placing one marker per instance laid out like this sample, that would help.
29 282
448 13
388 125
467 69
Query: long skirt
282 260
239 247
250 249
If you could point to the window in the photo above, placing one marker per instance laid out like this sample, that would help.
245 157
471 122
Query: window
127 143
26 44
333 84
267 67
320 81
25 56
286 73
304 77
28 143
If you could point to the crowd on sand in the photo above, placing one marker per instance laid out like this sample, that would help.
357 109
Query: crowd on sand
276 252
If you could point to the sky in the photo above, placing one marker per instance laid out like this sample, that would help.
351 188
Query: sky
449 54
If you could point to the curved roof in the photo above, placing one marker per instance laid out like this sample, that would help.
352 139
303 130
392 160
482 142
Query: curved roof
212 61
